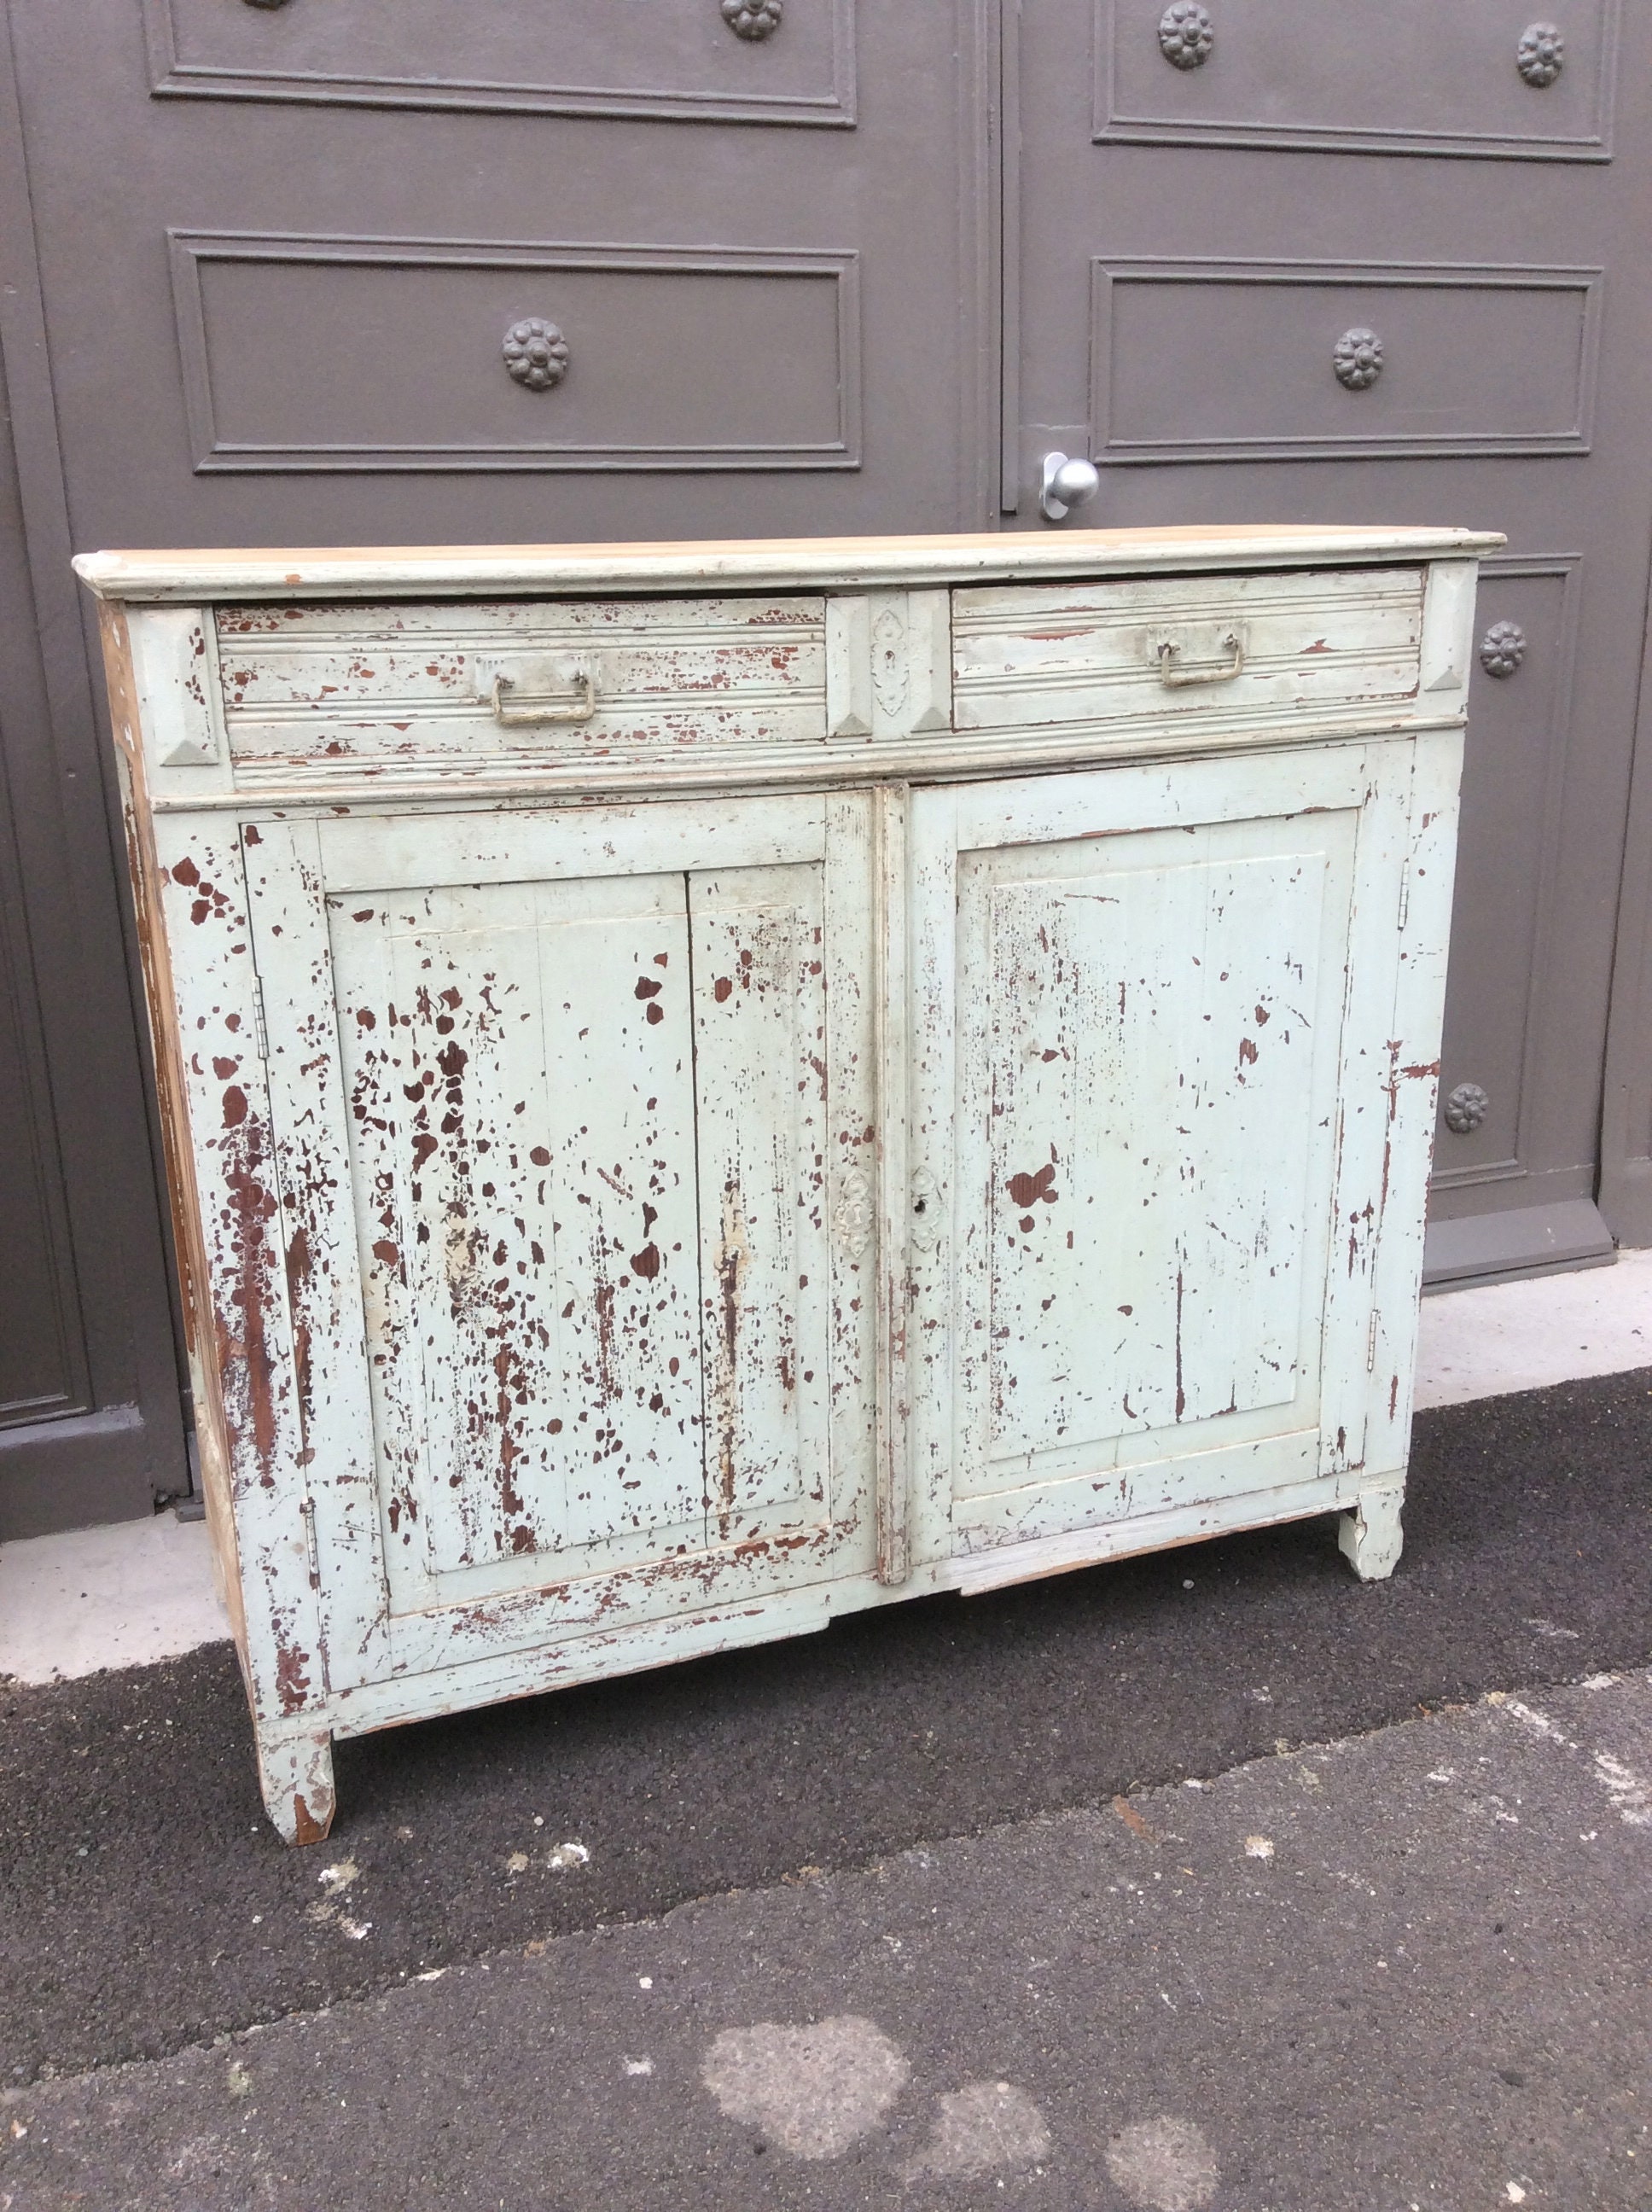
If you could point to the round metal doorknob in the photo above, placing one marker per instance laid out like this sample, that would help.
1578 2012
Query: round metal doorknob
1066 484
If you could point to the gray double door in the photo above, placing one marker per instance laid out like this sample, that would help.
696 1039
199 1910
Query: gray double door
1322 261
334 271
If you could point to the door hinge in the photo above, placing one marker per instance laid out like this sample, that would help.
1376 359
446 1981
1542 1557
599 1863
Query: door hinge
1370 1347
260 1031
307 1508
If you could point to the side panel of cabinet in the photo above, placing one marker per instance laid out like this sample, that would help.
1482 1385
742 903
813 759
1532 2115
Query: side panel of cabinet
563 1105
1155 1083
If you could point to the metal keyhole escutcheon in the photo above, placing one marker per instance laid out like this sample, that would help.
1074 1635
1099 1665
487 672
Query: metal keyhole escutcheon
924 1233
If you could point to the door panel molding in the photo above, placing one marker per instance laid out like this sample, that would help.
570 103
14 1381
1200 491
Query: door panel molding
1234 99
216 53
371 360
1424 303
1511 1164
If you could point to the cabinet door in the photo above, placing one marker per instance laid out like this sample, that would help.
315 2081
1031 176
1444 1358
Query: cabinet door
564 1101
1161 1083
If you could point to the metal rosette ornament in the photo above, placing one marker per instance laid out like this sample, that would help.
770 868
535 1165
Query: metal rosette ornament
752 18
1186 34
1358 360
1541 54
1503 648
1465 1109
535 353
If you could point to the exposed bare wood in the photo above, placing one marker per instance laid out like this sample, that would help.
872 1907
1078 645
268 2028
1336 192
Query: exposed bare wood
1369 1534
848 564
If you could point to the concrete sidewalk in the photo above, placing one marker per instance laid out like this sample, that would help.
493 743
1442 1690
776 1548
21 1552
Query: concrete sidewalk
1403 1972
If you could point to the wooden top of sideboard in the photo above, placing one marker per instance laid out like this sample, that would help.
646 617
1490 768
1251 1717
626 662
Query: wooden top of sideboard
795 563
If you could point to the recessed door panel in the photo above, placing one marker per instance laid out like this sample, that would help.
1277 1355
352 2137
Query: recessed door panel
1160 1133
760 1031
1514 779
519 1062
1158 1045
676 58
1478 76
586 1342
404 367
1492 361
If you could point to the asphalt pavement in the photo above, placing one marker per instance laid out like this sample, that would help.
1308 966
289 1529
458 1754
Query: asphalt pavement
1403 1971
766 1837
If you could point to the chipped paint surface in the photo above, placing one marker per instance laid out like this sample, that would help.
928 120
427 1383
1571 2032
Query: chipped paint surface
643 1224
255 1358
363 688
1163 989
523 1129
1314 644
573 1359
1156 1063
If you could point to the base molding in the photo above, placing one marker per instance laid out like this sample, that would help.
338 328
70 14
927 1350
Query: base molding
998 1566
76 1473
1626 1199
1523 1240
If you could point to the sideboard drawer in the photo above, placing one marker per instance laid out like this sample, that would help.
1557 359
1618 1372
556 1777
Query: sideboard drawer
1223 652
468 686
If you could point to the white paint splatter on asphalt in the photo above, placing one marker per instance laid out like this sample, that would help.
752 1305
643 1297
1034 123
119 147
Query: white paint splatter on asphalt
813 2091
1165 2164
982 2126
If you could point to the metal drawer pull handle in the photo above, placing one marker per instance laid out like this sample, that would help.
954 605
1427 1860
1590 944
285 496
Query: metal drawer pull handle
584 706
1173 675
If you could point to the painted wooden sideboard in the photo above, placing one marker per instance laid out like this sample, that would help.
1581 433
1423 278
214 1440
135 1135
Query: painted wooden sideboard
711 1085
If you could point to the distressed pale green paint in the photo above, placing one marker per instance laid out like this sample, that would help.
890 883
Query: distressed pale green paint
774 1145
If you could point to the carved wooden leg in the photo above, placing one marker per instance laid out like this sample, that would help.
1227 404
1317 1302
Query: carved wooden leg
295 1775
1370 1535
